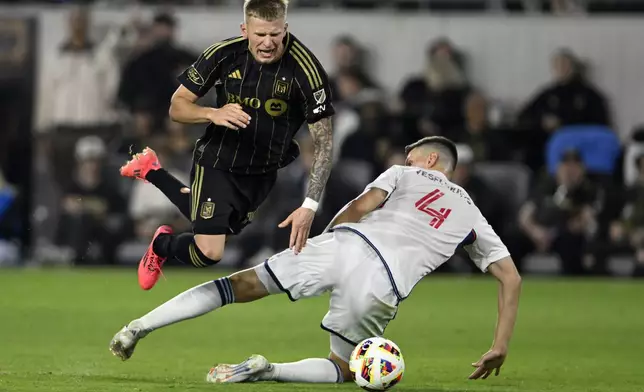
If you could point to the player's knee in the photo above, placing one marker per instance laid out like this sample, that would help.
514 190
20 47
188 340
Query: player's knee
211 246
214 254
343 366
247 286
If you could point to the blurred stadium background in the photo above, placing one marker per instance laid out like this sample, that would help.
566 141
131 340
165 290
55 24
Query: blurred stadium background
543 97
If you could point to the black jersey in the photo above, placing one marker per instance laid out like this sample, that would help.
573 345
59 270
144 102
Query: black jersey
279 97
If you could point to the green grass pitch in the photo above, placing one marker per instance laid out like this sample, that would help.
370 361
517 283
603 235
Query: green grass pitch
55 326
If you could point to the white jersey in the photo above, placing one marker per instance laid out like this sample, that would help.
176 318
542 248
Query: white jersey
423 220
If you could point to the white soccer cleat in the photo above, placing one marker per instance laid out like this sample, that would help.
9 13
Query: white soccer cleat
124 342
247 371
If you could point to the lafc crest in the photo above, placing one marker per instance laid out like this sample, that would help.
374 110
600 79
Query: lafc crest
207 210
282 88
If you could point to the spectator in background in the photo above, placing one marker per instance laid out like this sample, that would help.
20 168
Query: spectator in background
569 7
180 146
433 103
149 79
93 210
487 144
355 88
354 93
366 143
625 234
569 100
395 156
483 195
81 80
346 53
560 217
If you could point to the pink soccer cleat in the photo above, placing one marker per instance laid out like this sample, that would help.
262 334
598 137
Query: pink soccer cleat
141 164
151 263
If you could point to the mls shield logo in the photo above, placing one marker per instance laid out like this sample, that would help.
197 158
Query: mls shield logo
281 88
320 96
207 210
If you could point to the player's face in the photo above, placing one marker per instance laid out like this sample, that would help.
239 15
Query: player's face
265 38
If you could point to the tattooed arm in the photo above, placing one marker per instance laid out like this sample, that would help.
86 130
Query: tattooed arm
322 134
317 105
302 218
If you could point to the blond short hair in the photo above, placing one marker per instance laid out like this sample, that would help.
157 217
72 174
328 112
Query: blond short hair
265 9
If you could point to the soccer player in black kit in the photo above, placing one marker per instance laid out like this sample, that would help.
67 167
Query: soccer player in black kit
268 84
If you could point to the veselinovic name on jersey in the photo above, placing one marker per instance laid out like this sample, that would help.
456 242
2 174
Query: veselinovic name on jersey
450 185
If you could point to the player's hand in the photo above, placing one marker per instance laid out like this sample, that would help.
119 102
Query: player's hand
301 219
490 362
185 189
230 116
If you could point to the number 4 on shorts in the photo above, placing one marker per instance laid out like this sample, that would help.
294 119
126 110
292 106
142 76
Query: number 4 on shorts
439 216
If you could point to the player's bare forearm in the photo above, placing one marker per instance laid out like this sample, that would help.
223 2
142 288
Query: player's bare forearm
350 215
360 207
322 133
509 293
509 307
183 108
186 112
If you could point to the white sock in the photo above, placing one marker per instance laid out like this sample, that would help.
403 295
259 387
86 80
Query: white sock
311 370
192 303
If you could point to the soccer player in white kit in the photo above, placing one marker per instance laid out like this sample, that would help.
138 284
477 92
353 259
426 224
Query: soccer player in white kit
404 225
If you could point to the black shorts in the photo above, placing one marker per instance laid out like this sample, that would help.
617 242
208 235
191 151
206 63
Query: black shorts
223 202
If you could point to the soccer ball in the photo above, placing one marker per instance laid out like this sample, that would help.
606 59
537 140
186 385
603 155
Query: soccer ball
376 364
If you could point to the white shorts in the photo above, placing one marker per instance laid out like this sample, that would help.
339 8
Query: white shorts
362 302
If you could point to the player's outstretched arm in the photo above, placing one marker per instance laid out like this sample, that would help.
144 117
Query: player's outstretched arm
322 134
184 109
302 218
360 207
509 279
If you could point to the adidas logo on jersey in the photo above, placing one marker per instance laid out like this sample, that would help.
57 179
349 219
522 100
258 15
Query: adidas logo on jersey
235 74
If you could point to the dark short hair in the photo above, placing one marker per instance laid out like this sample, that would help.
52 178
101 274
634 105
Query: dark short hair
571 155
443 141
165 18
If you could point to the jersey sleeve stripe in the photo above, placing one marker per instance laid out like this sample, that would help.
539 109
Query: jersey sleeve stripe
305 68
305 52
217 44
214 48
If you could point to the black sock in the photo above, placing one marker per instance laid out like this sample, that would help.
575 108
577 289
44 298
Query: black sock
171 188
183 248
